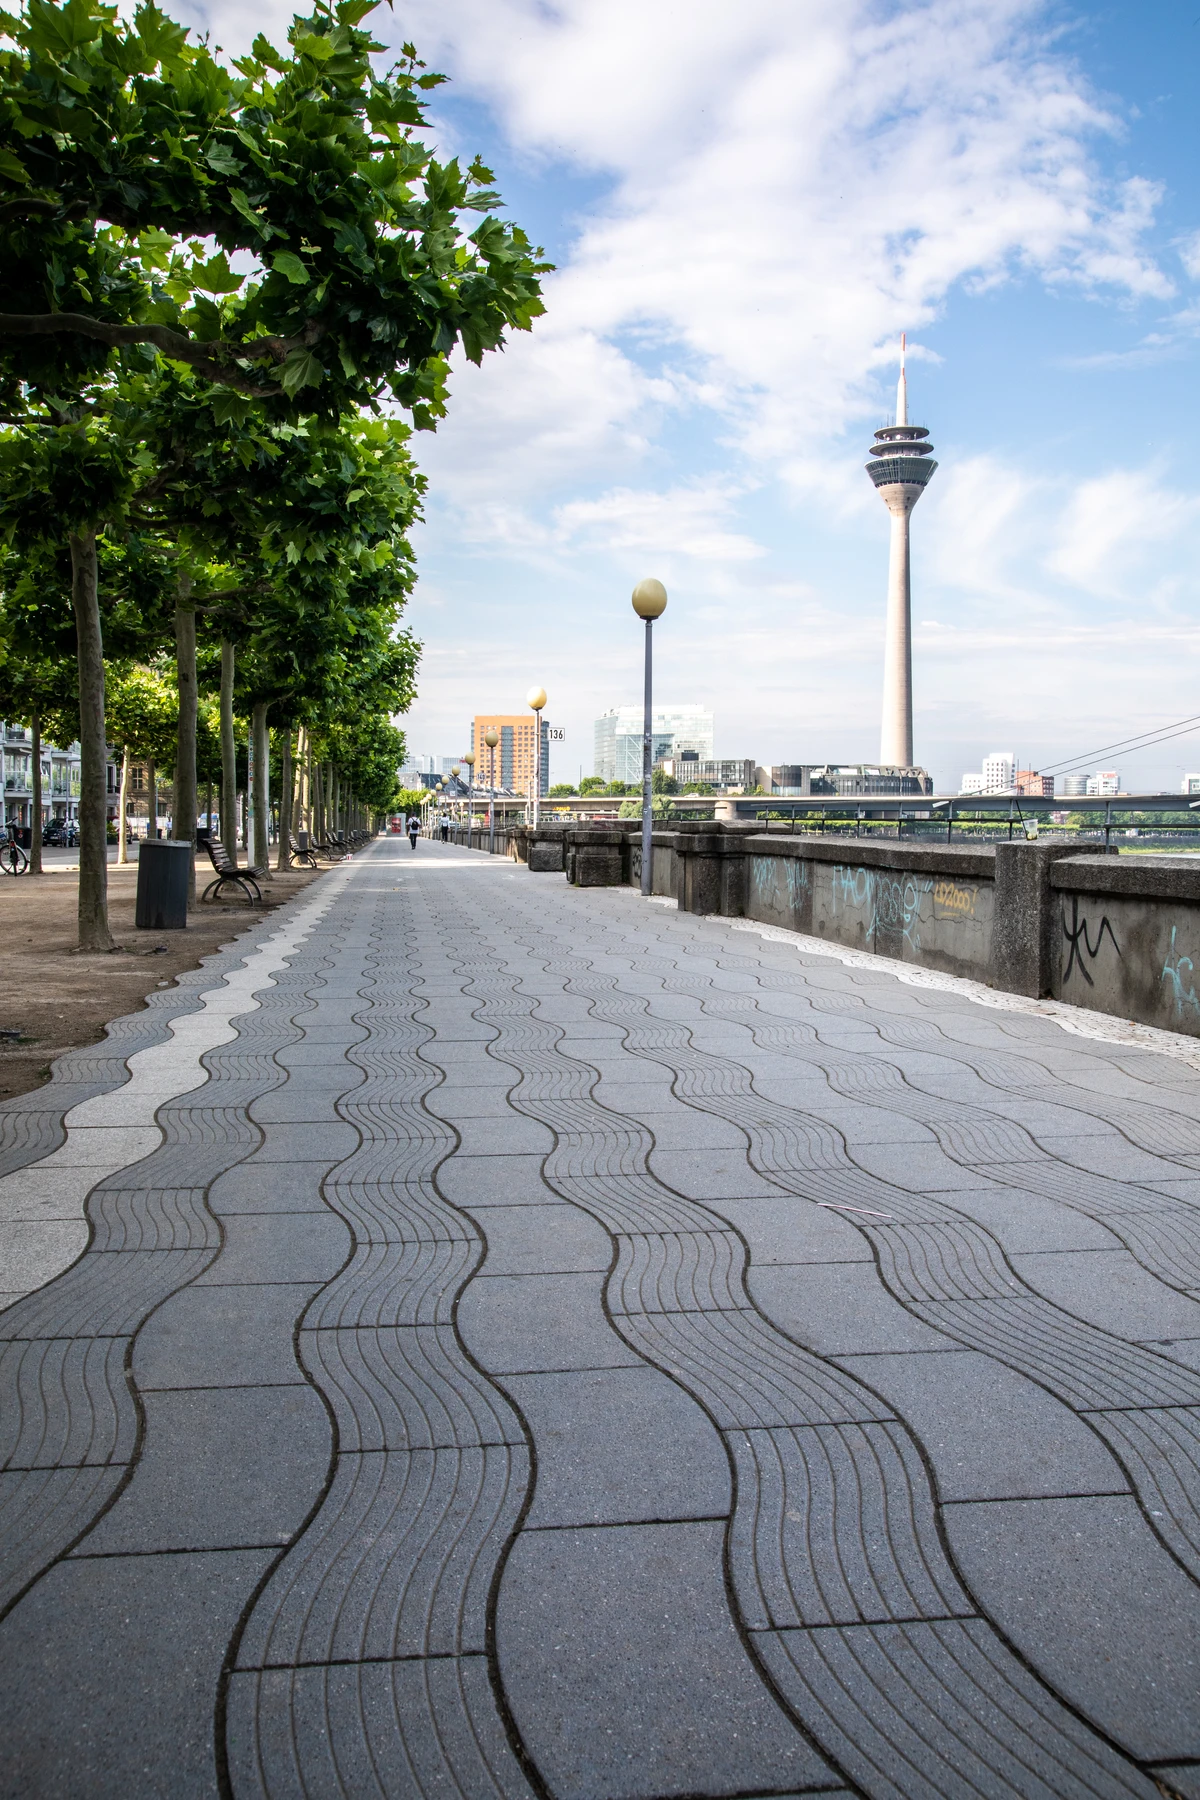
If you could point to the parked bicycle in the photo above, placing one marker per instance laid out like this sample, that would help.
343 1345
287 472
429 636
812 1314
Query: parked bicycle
13 859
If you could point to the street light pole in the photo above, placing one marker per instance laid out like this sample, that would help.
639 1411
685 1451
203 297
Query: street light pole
469 759
491 738
536 698
649 603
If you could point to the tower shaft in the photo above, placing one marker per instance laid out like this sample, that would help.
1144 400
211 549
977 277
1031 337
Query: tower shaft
896 742
900 467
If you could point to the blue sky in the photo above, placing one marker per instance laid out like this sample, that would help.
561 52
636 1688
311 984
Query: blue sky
747 205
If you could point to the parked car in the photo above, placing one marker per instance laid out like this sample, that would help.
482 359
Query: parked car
61 835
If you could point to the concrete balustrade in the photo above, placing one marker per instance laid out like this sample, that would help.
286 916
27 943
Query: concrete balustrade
1117 935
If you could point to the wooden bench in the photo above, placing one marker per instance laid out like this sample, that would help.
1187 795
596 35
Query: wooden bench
306 856
229 875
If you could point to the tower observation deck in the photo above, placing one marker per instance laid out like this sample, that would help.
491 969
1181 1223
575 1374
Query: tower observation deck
901 465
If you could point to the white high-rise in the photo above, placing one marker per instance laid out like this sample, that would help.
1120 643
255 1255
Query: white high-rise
900 471
676 730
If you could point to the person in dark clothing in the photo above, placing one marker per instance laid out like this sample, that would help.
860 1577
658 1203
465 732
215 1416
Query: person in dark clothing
414 826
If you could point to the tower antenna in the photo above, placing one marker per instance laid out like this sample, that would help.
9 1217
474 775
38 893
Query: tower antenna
902 388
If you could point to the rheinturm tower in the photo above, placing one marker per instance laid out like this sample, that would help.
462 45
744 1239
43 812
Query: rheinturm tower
901 465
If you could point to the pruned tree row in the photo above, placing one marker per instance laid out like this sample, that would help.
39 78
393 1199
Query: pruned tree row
224 286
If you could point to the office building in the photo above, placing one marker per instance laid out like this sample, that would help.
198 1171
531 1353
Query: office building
901 468
1028 781
1104 783
514 757
728 774
849 780
676 731
1073 786
1191 784
998 775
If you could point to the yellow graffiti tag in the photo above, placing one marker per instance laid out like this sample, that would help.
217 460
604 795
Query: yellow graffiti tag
954 899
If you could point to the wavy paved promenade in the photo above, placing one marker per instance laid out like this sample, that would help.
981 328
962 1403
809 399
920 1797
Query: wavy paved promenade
480 1338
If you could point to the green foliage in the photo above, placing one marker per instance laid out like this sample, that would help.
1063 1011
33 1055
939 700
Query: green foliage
562 790
660 807
408 801
592 784
123 143
620 787
662 783
698 787
142 710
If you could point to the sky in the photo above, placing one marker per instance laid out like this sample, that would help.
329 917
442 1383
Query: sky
746 206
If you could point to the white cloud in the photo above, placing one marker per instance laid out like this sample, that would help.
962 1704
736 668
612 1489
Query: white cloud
1112 522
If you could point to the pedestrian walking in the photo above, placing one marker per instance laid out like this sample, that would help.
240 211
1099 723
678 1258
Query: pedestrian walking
445 823
414 826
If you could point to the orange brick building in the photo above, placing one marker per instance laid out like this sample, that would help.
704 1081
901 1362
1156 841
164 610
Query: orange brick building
515 753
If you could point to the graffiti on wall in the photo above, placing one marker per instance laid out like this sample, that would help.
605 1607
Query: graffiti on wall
1181 974
953 899
1078 939
886 903
764 877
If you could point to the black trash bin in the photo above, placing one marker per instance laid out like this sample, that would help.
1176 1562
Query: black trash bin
162 884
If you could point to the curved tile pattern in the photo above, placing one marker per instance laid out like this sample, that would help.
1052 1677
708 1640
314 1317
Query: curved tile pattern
833 1551
70 1430
375 1621
952 1273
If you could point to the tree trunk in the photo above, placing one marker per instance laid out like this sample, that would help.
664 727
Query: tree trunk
261 848
123 808
284 858
184 826
93 750
229 787
35 823
318 804
152 799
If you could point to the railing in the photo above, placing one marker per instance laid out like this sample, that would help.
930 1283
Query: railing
1161 819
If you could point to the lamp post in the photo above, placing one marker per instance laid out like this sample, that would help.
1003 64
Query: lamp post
469 759
536 698
491 738
649 603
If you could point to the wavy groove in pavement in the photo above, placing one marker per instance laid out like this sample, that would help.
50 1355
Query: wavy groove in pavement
362 1667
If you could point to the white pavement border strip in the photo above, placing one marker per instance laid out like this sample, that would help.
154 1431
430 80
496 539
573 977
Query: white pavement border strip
1076 1019
43 1221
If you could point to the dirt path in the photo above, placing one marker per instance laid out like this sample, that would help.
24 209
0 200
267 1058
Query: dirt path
52 998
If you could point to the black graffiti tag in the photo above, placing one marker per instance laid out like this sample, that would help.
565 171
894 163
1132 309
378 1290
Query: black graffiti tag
1076 933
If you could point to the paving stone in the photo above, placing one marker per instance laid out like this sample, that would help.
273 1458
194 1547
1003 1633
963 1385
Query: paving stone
921 1168
710 1174
838 1309
1108 1153
626 1676
513 1323
1026 1222
1064 1578
1111 1290
298 1105
255 1187
308 1143
1183 1778
290 1247
990 1433
508 1181
678 1127
542 1240
211 1337
219 1466
788 1229
618 1445
164 1622
512 1135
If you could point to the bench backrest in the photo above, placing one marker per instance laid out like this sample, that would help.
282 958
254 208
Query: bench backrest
220 858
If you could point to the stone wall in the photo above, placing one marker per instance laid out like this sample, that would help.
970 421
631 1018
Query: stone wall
1118 934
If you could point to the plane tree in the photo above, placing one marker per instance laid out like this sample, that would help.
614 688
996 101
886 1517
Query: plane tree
127 152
